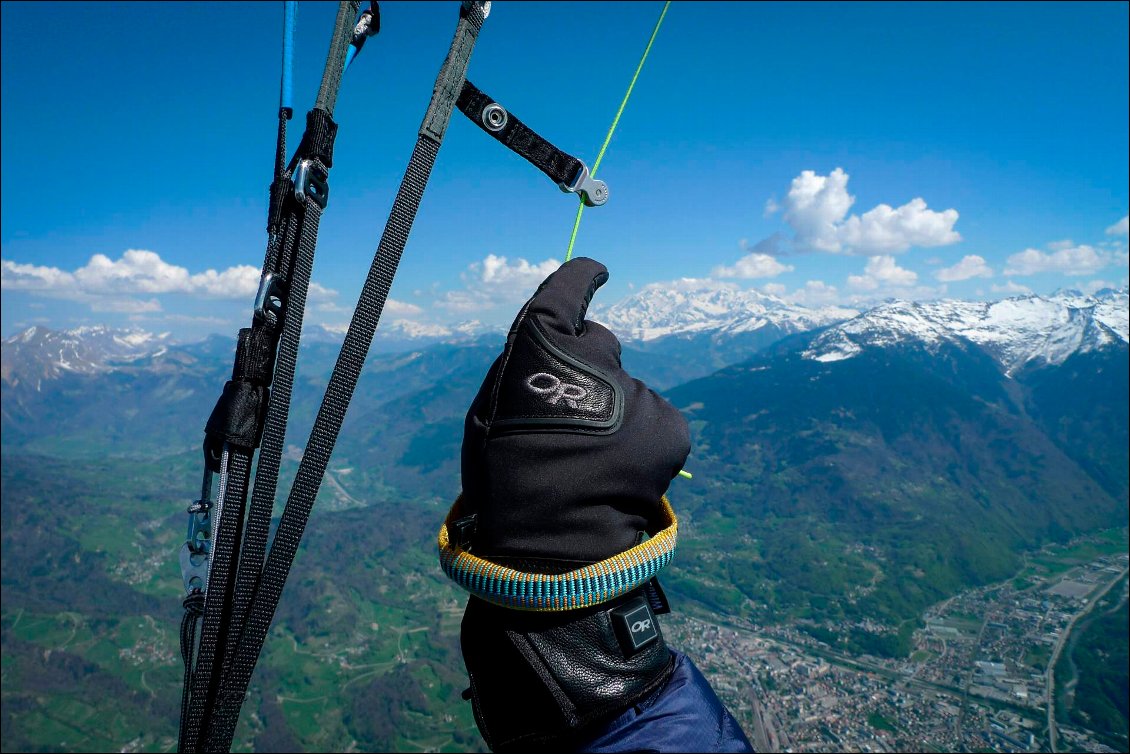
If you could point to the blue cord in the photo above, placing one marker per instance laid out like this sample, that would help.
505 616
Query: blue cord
286 95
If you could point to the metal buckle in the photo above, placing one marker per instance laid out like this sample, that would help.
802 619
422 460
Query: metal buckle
268 300
593 192
196 551
468 6
311 181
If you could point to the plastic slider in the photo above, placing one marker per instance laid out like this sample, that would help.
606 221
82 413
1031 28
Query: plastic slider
311 182
464 530
592 191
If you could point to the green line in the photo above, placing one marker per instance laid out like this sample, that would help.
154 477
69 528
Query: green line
612 128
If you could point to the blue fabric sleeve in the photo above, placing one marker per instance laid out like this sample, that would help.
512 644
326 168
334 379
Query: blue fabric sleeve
685 715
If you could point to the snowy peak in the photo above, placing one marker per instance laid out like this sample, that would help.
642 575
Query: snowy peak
689 307
1014 331
39 353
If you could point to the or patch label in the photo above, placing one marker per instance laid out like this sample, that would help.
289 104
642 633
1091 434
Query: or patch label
635 625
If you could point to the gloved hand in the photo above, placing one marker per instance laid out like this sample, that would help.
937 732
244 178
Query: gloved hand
565 456
566 459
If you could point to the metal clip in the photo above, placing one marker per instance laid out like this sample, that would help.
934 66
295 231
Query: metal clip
469 5
592 192
196 551
311 181
268 300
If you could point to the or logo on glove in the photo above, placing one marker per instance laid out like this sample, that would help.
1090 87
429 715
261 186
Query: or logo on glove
555 390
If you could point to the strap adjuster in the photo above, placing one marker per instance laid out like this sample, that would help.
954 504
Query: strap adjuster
268 300
311 181
593 192
197 548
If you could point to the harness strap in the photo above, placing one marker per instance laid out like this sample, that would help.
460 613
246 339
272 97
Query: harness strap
237 422
562 168
343 381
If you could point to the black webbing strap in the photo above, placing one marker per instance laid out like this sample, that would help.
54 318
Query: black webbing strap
343 381
237 423
504 126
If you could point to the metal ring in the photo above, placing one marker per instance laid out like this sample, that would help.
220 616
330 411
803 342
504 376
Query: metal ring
495 117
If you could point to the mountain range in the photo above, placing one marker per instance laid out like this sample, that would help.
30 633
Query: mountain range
849 467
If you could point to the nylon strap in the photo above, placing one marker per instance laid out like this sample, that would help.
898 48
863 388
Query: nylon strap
293 228
343 381
504 126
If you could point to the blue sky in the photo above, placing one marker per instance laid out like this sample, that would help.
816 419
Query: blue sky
826 153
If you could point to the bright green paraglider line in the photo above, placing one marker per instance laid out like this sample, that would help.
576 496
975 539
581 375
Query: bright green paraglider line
612 128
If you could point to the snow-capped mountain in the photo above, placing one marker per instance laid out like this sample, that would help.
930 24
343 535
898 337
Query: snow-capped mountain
689 307
39 353
1015 331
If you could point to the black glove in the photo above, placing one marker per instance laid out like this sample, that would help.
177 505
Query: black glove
565 461
565 456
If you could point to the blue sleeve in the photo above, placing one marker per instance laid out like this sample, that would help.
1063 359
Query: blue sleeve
685 715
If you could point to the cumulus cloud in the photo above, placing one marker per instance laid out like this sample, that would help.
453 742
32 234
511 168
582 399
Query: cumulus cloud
753 265
137 272
816 207
1013 288
775 289
1094 286
1065 259
814 293
128 285
1120 228
520 276
496 280
970 266
882 272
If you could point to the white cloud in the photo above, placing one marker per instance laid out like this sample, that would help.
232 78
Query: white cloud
1011 287
521 276
1120 228
402 308
495 281
882 272
815 293
315 292
692 285
1093 286
892 230
753 265
816 208
970 266
463 301
1067 260
775 289
109 285
125 305
137 271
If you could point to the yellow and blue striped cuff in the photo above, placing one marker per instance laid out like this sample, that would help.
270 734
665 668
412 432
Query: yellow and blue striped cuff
591 585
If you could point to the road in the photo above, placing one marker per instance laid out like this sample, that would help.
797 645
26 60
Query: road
1092 600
